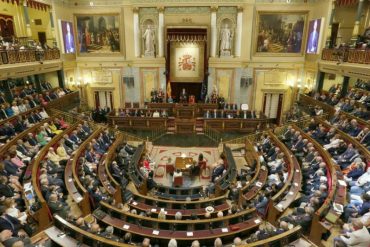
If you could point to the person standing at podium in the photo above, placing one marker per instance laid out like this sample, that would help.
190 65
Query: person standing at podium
183 96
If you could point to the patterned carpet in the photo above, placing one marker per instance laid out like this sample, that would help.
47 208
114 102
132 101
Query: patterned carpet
161 155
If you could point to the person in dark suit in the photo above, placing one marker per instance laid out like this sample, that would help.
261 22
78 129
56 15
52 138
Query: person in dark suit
31 140
48 97
11 168
74 138
303 220
183 96
3 114
347 157
219 169
19 125
57 206
32 102
11 223
2 98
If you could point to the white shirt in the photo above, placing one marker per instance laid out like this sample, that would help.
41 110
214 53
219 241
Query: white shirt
44 114
15 109
363 179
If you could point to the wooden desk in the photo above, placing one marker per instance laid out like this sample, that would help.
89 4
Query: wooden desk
62 239
180 162
207 234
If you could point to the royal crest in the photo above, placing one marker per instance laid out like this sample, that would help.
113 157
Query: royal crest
186 62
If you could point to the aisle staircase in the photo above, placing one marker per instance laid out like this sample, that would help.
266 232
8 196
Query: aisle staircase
171 128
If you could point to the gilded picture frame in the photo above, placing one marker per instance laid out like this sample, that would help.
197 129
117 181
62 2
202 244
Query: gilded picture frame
98 34
280 33
187 62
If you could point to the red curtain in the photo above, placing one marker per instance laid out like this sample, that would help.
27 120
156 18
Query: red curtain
37 5
12 1
346 2
6 26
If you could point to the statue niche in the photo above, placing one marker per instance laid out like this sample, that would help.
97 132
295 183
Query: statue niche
149 38
226 36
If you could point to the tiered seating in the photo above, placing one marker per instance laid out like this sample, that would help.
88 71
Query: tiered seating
319 223
44 214
288 193
72 177
143 217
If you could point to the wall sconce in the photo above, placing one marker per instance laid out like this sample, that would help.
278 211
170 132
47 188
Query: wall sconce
290 83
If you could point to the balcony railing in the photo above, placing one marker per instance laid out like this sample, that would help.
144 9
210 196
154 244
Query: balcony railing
361 56
27 55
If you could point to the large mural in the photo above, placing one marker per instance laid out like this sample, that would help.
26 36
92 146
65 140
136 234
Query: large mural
280 33
98 33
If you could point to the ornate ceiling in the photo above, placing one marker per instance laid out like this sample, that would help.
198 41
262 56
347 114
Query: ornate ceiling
172 2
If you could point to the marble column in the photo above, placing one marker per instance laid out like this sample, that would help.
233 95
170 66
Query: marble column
52 25
213 31
238 35
160 32
136 33
328 36
27 19
356 28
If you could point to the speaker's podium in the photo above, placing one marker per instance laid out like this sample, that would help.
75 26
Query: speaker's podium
185 118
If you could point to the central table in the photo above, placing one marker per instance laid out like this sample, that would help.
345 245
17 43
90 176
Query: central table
180 162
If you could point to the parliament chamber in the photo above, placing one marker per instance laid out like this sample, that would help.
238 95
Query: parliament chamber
211 123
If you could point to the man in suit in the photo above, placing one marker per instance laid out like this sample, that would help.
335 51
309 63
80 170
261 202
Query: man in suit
57 207
298 145
2 98
19 125
365 140
8 129
219 169
22 148
354 129
44 86
73 137
3 114
48 97
183 96
347 157
70 143
11 224
86 127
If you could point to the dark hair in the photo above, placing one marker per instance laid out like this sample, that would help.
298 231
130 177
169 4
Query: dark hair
200 157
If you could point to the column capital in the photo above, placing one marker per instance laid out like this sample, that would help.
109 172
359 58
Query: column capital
239 8
135 10
214 8
160 9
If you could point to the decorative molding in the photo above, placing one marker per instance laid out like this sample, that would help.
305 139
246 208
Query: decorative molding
227 10
214 8
148 11
187 10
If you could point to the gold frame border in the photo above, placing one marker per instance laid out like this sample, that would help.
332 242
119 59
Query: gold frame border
273 54
173 78
121 35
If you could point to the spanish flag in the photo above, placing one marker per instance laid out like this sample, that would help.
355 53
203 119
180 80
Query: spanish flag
169 91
